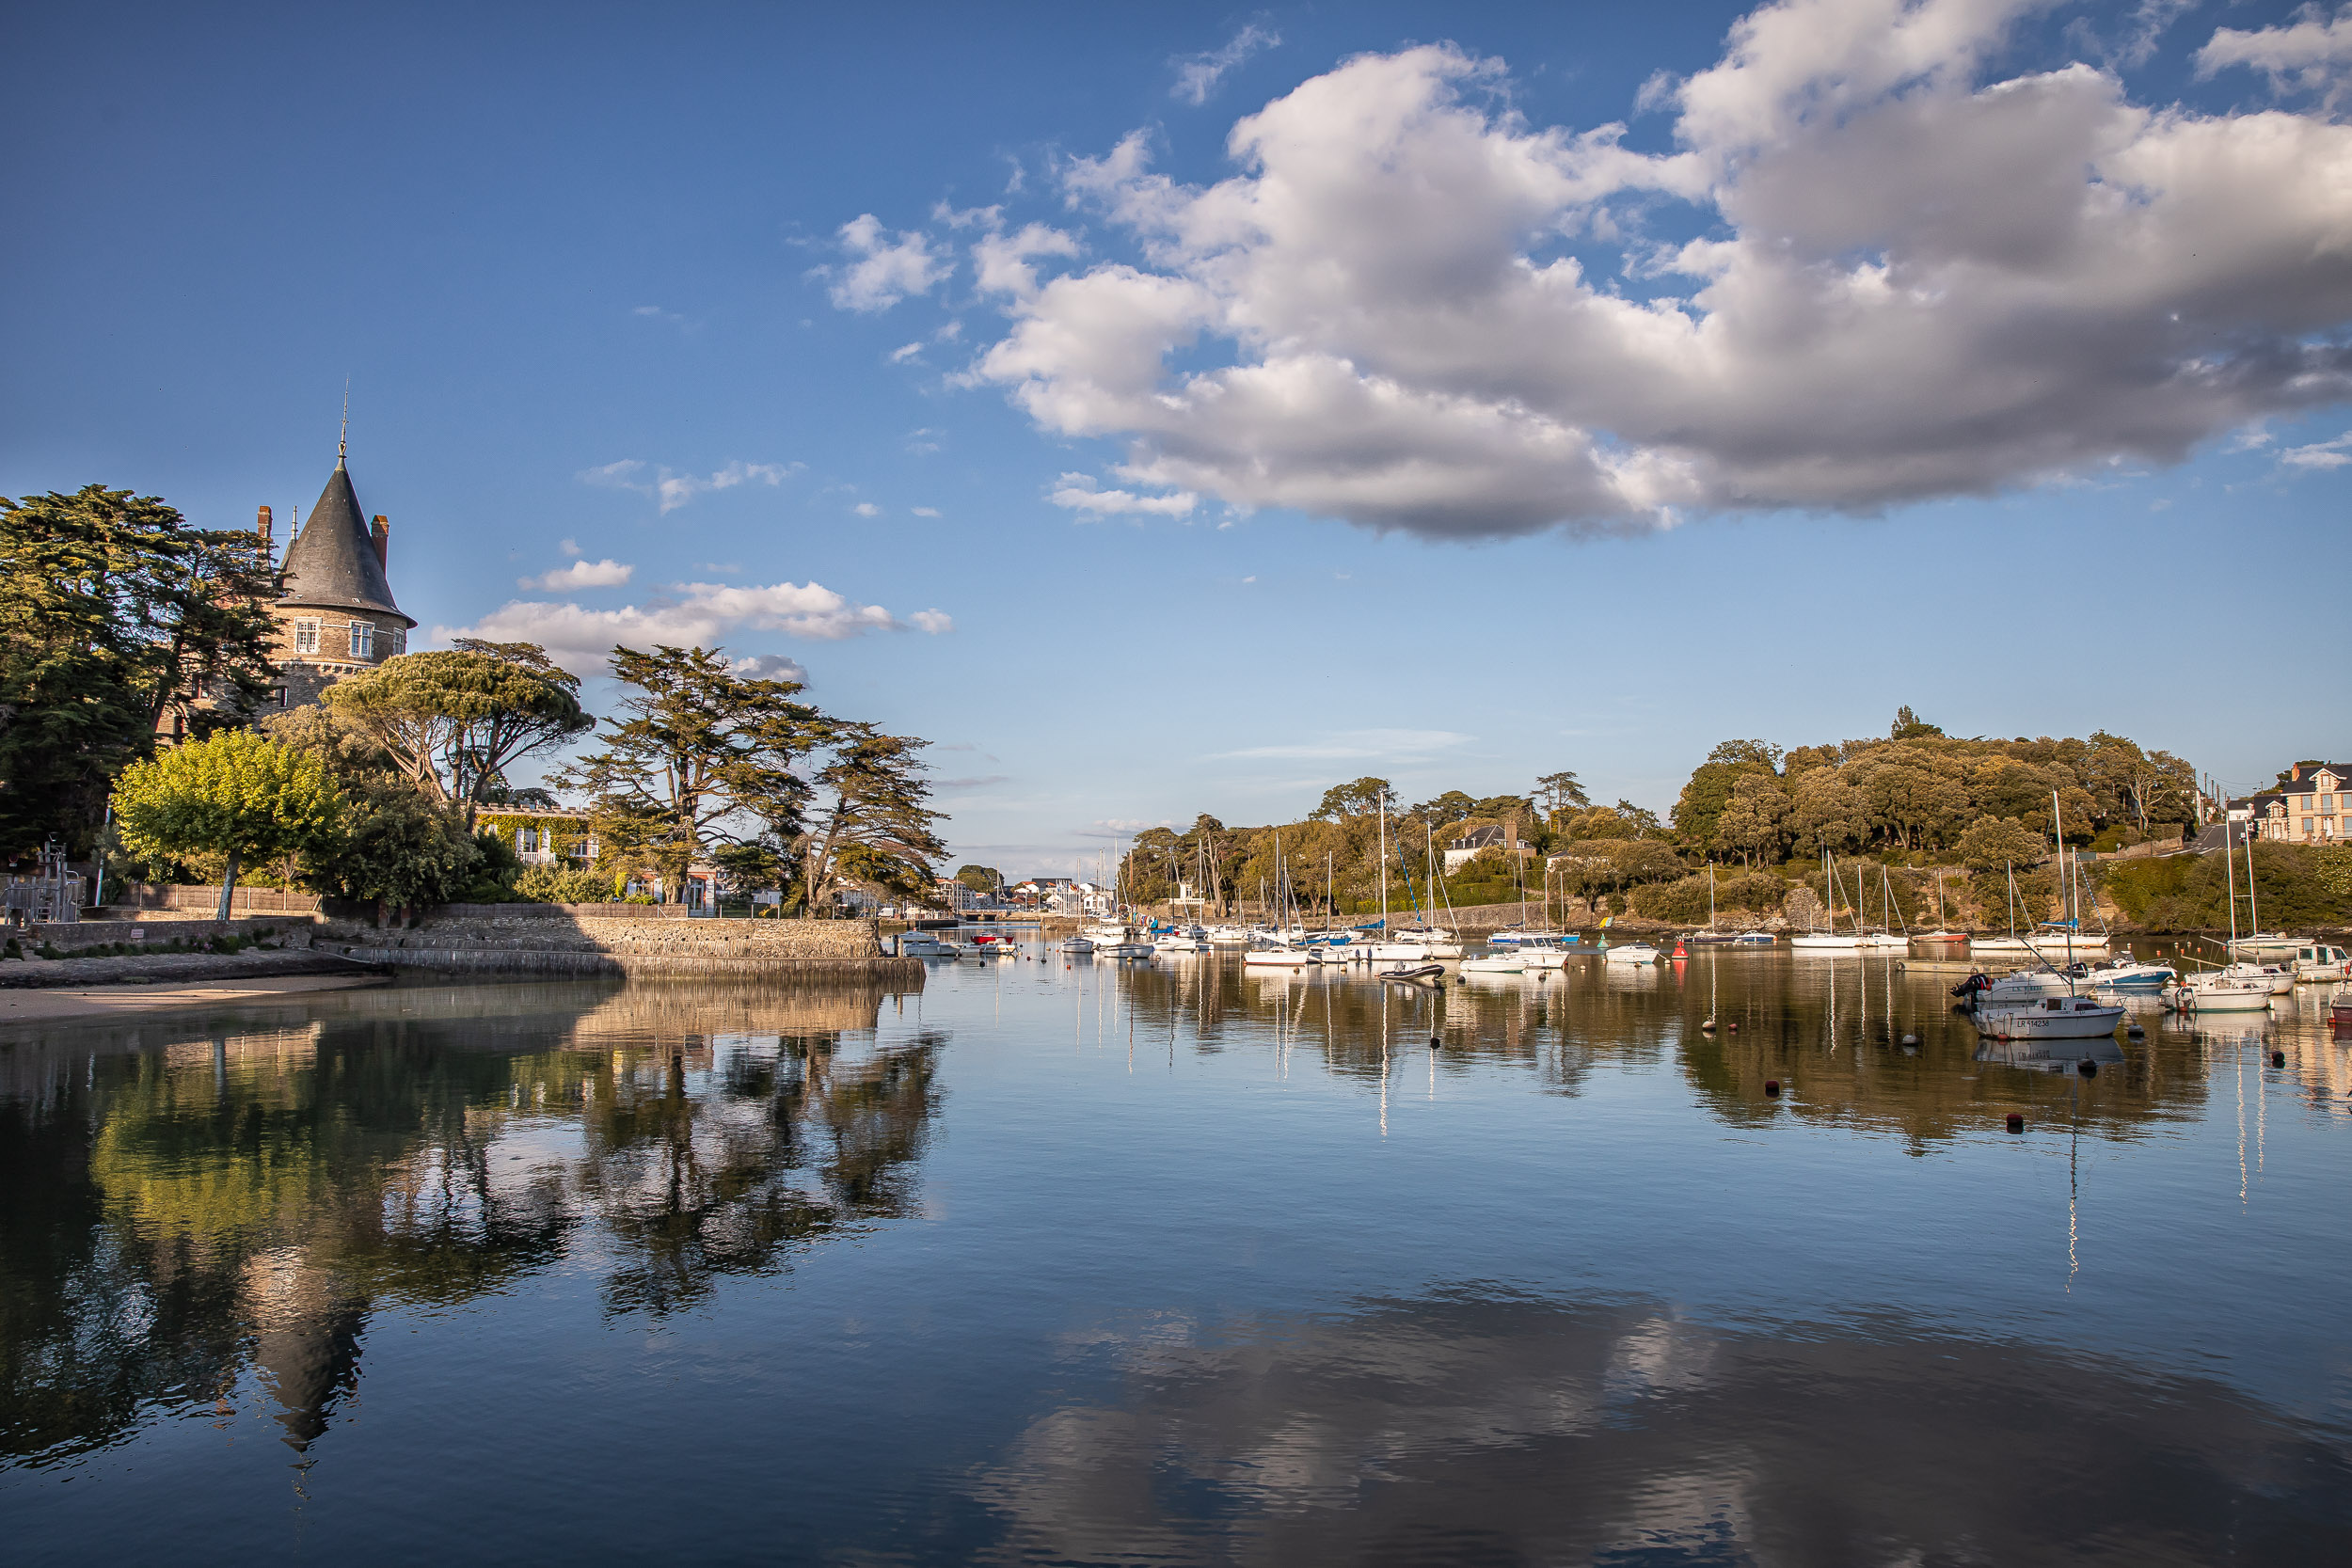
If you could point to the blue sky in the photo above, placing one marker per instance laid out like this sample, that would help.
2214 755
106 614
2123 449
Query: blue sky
1458 493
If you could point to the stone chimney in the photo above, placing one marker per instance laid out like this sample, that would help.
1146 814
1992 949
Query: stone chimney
381 536
262 526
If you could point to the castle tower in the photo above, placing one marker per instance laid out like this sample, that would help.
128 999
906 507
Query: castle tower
336 616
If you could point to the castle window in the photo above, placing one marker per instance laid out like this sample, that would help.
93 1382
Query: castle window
362 639
399 640
306 637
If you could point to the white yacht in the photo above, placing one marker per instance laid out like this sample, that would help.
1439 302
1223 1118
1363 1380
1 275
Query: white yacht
2051 1017
1495 964
1631 953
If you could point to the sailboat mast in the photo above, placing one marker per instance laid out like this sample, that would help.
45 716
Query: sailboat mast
2253 915
2229 860
1384 864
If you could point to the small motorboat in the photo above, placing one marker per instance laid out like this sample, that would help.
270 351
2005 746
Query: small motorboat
1755 938
1427 974
2219 992
2051 1017
2265 945
1544 956
2339 1010
1825 941
1631 953
1077 945
1278 957
2317 965
1494 963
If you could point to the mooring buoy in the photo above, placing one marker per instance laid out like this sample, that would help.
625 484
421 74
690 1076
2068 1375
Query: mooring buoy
2087 1068
1771 1086
2277 1058
2016 1122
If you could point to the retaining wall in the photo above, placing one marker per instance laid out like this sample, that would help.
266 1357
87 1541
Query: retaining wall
606 939
288 931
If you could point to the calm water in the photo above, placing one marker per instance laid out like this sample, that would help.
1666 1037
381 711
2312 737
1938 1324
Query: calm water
1172 1263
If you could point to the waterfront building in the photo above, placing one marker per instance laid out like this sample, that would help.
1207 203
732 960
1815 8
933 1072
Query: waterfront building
335 614
2309 808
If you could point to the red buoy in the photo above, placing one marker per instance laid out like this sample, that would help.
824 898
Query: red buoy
1771 1086
2016 1122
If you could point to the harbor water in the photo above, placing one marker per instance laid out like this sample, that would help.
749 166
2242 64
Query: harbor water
1058 1260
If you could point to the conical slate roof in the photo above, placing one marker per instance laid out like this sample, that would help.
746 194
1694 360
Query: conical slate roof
332 562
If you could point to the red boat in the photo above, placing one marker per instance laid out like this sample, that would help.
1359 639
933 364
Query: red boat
2340 1011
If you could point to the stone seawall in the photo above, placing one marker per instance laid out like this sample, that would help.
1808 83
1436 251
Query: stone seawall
552 939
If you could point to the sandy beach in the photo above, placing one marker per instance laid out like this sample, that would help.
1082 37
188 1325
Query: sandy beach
28 1006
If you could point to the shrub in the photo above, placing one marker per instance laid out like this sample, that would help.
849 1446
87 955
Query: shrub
553 884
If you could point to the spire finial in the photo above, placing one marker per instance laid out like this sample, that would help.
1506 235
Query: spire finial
342 437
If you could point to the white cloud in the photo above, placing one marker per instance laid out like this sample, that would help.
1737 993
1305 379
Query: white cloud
881 272
926 510
769 667
866 509
905 352
1077 492
1196 74
1351 745
697 614
570 549
2320 454
1001 261
607 572
1916 279
2309 55
673 490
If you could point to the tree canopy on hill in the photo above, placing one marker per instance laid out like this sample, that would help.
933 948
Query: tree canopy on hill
1920 790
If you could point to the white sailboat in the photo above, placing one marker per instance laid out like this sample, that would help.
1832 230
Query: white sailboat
1829 941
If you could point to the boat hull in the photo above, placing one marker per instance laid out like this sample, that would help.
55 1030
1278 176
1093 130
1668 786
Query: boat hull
2057 1018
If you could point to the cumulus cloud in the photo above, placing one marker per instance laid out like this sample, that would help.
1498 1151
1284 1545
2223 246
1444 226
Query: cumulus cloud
702 614
2320 454
607 572
880 271
1914 276
1196 75
1077 492
769 667
866 509
2309 55
673 490
1001 261
926 511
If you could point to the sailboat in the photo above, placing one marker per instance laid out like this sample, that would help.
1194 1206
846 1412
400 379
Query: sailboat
1884 937
1942 937
1280 949
1829 941
2237 987
1441 941
2258 943
1389 950
1712 934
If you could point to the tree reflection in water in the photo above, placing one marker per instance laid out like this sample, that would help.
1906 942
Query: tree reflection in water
186 1210
1831 1031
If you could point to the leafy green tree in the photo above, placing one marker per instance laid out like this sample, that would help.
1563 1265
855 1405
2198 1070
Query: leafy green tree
1359 798
1994 842
697 743
117 618
1754 824
1559 791
979 879
398 849
455 721
235 794
874 812
1709 788
1910 726
1446 808
1828 811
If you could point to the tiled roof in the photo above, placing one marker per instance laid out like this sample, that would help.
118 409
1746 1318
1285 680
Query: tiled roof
331 564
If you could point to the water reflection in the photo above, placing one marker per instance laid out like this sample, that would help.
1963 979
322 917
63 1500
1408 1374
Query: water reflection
1851 1041
1485 1426
185 1209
